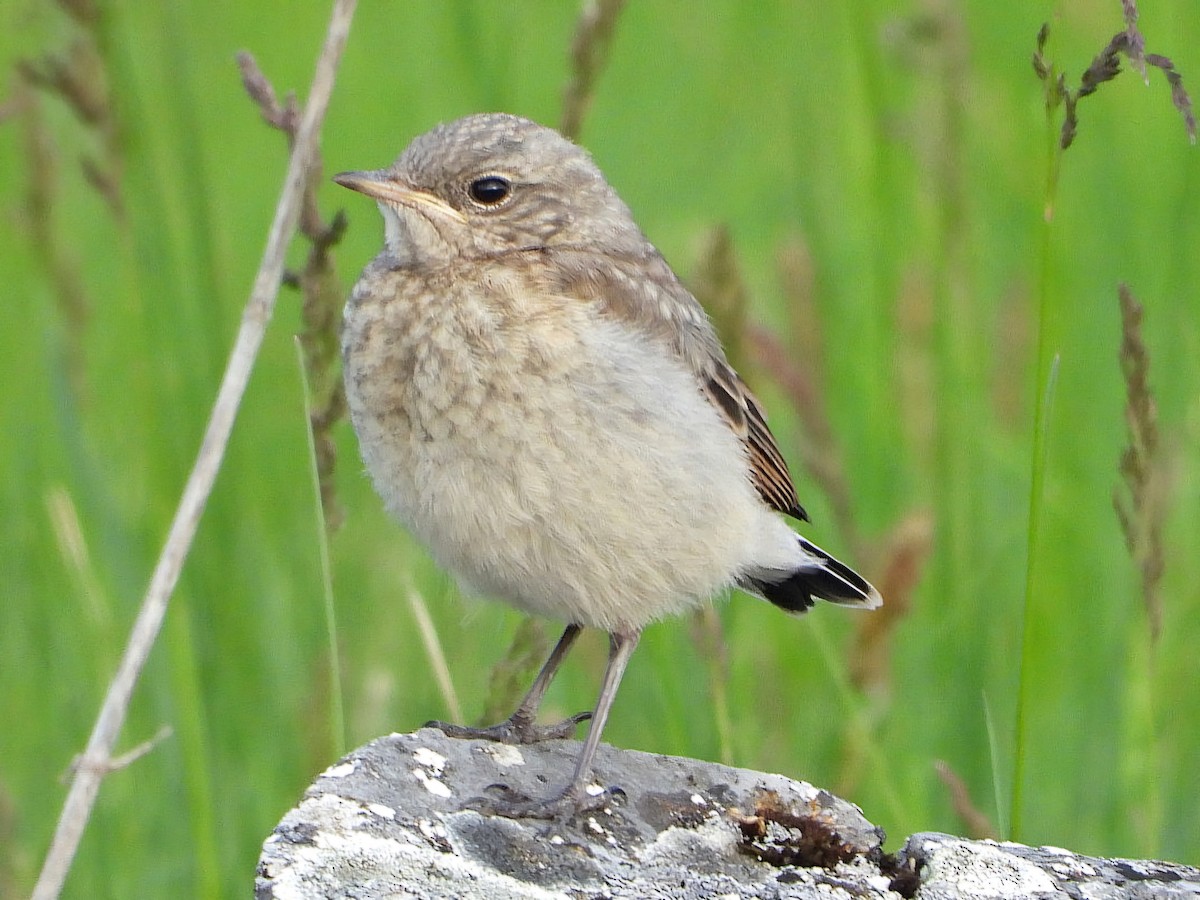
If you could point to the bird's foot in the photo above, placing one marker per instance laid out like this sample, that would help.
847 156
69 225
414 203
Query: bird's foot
574 800
515 730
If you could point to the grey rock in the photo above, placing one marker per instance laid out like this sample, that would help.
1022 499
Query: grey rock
952 867
399 818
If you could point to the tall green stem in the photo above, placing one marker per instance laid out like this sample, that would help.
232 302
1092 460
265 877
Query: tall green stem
1047 376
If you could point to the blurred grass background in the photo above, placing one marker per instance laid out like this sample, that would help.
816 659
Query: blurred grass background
882 170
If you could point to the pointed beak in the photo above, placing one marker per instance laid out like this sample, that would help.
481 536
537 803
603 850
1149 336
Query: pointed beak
379 185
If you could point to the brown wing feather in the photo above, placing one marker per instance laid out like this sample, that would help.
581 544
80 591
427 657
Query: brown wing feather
645 292
744 414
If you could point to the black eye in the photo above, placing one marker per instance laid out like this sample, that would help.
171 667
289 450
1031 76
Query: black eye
490 190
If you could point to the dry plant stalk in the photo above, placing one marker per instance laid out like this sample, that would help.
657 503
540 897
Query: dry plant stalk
589 53
320 289
907 550
799 368
434 650
1135 40
82 11
76 78
97 756
1129 42
1141 514
902 555
56 257
820 454
510 676
979 827
721 290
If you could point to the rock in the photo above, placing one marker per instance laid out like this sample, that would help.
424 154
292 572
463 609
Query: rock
399 818
952 867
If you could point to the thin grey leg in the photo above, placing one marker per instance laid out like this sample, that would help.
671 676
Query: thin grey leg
519 728
528 709
621 647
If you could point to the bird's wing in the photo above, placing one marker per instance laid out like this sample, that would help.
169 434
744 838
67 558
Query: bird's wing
645 293
744 414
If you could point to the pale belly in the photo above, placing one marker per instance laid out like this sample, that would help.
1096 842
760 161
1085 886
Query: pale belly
596 485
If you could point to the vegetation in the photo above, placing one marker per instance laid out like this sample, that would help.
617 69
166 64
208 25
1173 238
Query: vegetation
922 284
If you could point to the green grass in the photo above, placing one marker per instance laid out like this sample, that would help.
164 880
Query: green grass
908 157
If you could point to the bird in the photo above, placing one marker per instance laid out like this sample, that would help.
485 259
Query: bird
545 406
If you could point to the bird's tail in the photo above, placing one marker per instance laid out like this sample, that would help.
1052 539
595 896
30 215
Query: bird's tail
818 577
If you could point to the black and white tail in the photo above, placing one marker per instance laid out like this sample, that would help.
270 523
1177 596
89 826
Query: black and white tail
819 577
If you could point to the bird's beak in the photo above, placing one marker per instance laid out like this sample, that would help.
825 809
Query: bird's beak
380 186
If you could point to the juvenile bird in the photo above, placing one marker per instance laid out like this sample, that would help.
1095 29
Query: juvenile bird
547 408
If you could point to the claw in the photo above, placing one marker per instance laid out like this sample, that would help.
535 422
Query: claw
570 802
514 730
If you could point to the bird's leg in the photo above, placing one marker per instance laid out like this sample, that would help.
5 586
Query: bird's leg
575 797
520 727
620 648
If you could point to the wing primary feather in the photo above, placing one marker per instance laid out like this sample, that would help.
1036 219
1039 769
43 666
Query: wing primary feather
770 470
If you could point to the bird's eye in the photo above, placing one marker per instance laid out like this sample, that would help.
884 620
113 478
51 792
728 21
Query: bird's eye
490 190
